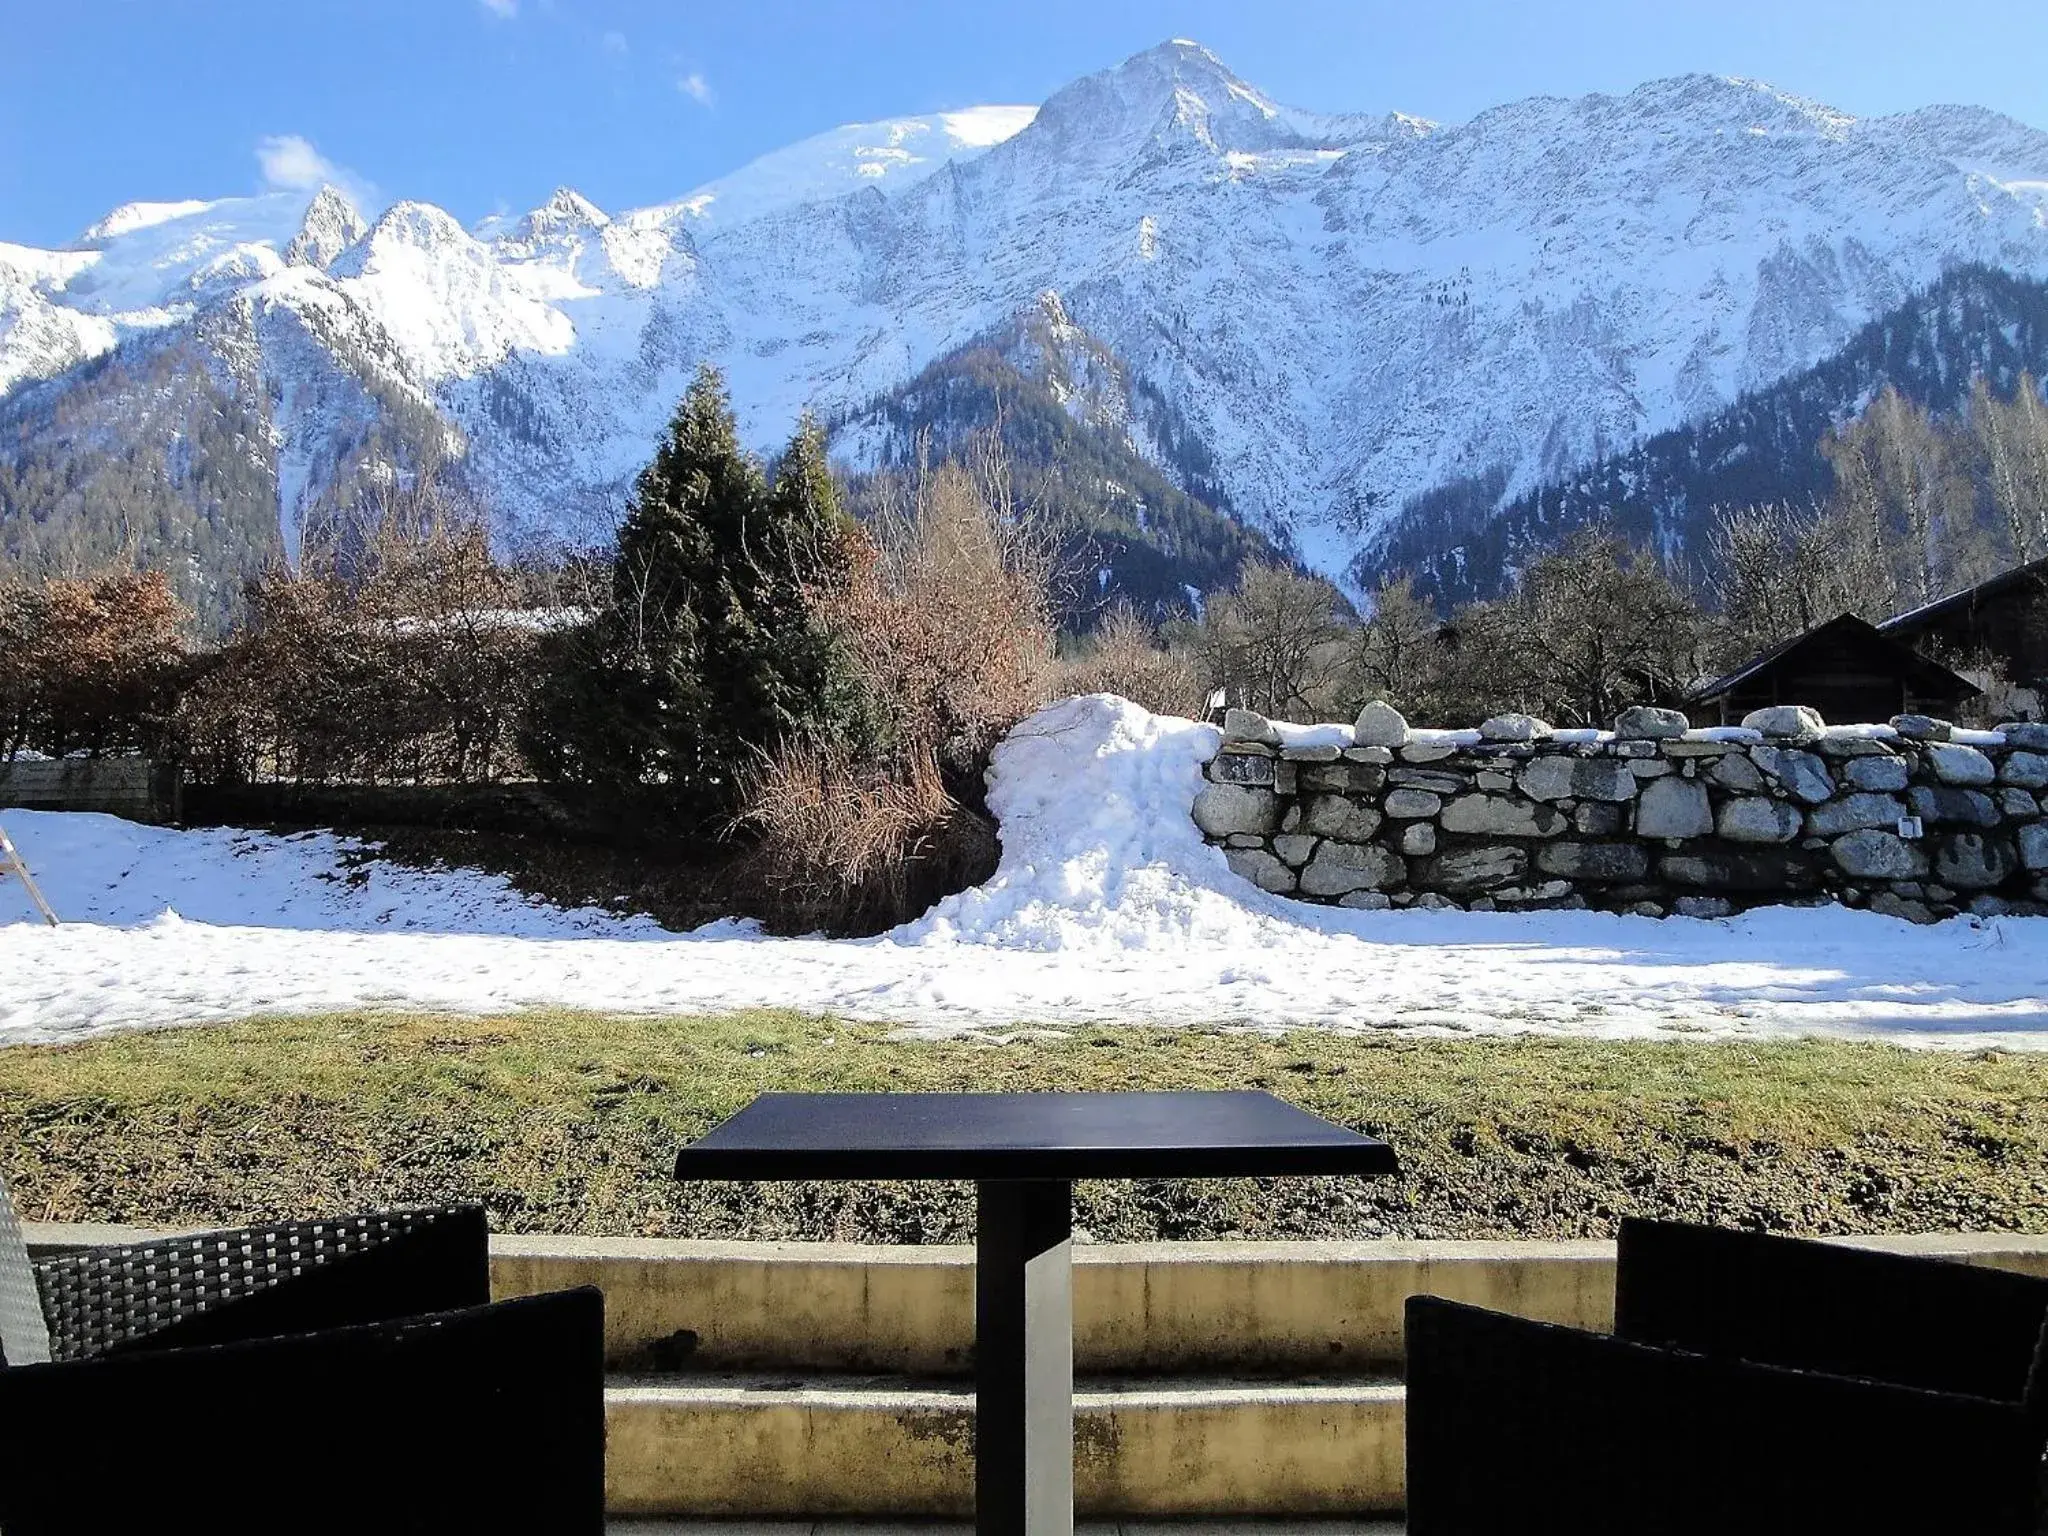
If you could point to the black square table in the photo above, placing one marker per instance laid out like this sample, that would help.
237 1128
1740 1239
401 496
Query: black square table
1024 1150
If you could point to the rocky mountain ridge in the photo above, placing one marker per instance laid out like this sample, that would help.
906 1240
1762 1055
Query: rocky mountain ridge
1340 313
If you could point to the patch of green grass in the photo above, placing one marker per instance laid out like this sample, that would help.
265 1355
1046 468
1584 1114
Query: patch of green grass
566 1122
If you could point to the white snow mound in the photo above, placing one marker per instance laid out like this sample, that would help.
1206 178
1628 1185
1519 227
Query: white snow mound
1106 907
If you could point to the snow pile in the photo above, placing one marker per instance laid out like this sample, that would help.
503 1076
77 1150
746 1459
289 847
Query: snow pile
1107 907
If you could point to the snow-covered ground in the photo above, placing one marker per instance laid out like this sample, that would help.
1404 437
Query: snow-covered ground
1107 907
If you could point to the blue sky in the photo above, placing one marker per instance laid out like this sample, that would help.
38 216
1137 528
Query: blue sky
483 105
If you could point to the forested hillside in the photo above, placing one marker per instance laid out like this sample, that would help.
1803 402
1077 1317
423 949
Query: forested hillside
1667 492
1071 424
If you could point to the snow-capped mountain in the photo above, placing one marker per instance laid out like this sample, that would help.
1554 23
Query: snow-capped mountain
1341 312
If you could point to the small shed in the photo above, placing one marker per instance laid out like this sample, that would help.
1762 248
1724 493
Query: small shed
2004 619
1845 669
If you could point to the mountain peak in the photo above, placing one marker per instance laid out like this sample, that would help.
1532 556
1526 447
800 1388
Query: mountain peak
405 225
1181 50
565 205
1188 66
332 224
1175 94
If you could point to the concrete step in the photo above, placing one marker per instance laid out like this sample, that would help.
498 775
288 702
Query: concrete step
766 1445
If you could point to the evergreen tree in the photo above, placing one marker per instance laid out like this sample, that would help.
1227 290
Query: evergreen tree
808 679
709 652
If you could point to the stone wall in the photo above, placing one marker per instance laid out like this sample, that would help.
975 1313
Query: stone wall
134 787
1917 818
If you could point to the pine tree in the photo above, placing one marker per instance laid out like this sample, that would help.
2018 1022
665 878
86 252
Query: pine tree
809 680
674 602
709 653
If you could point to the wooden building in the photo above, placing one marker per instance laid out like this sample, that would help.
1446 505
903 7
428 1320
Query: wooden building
1846 669
2003 620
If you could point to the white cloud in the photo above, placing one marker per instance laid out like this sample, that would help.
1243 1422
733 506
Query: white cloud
697 88
291 163
289 160
504 10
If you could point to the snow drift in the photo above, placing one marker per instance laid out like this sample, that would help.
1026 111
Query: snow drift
1107 907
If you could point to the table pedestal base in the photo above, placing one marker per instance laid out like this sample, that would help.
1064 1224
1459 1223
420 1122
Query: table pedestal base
1024 1358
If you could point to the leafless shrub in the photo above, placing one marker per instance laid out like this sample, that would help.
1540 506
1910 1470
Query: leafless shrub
1125 656
89 664
855 847
399 650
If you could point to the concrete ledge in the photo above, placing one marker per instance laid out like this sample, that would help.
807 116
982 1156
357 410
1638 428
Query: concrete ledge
764 1447
738 1306
45 1237
1275 1307
1311 1306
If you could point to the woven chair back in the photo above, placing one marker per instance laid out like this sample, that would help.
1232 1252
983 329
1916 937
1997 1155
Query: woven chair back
184 1291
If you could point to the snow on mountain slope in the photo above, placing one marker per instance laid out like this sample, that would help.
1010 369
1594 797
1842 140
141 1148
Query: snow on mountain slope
1342 311
889 156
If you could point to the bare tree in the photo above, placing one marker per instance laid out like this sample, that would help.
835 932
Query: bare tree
1778 569
2013 441
1276 643
1401 654
1589 629
1126 656
1905 493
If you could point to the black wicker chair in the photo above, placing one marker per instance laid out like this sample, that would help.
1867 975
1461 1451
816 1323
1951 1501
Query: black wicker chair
1534 1428
258 1282
1915 1322
489 1419
313 1376
250 1283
